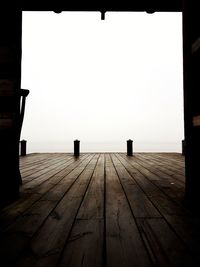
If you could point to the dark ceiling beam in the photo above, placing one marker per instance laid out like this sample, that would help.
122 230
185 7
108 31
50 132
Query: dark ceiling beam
149 6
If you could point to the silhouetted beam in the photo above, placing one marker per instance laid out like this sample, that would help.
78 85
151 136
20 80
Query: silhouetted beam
142 5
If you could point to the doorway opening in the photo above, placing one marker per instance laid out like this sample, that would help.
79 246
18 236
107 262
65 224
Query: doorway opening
103 82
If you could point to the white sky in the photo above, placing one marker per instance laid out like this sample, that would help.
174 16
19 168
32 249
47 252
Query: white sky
102 82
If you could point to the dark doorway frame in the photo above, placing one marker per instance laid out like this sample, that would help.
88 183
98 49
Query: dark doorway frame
10 82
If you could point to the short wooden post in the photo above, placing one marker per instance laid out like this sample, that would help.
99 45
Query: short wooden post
23 147
129 147
183 147
76 148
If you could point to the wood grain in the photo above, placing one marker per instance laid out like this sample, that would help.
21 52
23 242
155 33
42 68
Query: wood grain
100 210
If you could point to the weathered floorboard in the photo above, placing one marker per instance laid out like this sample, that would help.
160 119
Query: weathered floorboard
140 204
9 214
86 241
100 210
124 246
47 244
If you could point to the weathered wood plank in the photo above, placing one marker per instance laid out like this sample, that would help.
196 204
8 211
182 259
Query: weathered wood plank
158 197
139 202
43 175
124 245
173 187
43 170
153 170
164 245
47 245
32 158
67 180
168 166
43 164
102 220
177 170
176 163
163 168
85 244
169 186
16 238
10 213
51 176
188 230
36 158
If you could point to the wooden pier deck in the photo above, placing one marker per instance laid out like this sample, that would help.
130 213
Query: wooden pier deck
100 210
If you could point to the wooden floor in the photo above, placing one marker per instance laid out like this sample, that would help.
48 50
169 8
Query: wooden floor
100 210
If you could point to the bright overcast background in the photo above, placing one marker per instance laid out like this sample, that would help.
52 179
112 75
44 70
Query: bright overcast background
102 82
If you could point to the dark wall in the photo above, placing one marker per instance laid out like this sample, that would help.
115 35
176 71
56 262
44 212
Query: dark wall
10 78
191 31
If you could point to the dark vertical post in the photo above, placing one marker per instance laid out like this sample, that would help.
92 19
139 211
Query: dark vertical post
23 148
129 147
103 15
76 148
183 147
10 84
23 93
191 64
